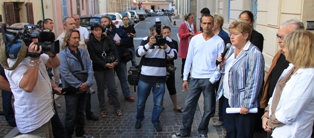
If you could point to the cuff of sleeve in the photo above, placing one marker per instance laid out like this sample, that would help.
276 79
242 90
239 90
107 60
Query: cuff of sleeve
185 77
146 47
168 49
281 118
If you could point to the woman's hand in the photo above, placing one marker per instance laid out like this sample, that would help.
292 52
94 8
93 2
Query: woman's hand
244 110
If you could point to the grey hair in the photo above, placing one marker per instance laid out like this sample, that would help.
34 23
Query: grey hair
64 21
299 25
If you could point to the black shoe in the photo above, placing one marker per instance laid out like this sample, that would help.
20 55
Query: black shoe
158 127
92 117
179 135
138 125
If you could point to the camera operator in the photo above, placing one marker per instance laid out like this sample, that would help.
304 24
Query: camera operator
31 87
153 74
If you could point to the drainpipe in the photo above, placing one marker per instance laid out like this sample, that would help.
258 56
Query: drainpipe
42 9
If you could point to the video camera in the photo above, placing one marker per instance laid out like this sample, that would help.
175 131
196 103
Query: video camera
160 40
46 39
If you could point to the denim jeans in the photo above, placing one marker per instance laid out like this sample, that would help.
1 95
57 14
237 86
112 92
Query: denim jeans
121 72
102 78
7 107
196 87
144 89
74 115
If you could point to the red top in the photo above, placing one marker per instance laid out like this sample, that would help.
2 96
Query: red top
184 39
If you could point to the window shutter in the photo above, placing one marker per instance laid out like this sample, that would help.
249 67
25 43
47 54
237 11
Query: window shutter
29 10
9 12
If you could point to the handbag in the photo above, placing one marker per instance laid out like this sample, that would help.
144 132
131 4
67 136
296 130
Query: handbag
108 57
68 90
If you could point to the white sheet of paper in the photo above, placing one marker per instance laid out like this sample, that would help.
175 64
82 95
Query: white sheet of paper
116 37
237 110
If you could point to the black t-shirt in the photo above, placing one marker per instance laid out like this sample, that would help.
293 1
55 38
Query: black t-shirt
128 30
281 65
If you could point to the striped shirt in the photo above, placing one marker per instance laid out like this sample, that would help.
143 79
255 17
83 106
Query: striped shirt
245 77
154 61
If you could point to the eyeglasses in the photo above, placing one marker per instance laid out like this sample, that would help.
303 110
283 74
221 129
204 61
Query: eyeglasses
280 36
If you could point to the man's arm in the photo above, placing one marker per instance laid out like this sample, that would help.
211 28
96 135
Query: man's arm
4 84
53 62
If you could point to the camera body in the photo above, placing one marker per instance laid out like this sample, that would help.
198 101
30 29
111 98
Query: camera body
46 38
160 40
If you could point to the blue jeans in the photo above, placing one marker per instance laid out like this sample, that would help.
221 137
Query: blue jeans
144 89
7 107
74 115
196 87
121 72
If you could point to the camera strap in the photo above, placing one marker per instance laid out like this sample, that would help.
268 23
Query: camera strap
3 49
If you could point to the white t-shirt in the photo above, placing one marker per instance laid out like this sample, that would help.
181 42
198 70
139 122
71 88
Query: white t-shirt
83 32
32 109
228 65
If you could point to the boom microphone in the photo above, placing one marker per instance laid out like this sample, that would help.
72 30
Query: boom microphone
224 52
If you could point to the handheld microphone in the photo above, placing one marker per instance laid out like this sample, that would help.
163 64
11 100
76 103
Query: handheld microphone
224 52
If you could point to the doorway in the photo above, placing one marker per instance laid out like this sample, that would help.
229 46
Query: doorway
152 7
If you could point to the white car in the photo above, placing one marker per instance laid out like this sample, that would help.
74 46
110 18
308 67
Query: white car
115 17
159 13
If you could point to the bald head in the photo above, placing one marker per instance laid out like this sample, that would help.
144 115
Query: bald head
76 17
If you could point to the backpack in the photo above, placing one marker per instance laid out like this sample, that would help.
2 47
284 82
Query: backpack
11 46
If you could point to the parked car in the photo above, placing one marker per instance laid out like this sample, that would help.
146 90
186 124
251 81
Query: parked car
129 15
87 21
160 13
114 16
150 13
134 16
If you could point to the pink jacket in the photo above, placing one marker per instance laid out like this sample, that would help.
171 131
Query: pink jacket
184 39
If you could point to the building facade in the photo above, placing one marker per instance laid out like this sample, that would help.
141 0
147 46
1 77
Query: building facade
31 11
269 14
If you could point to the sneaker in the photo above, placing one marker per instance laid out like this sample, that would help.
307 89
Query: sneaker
138 125
179 135
158 127
218 123
203 136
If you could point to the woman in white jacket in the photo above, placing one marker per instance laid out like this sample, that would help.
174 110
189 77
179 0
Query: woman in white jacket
290 113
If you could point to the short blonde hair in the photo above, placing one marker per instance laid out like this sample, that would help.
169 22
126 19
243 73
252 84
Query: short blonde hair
242 26
300 46
219 19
